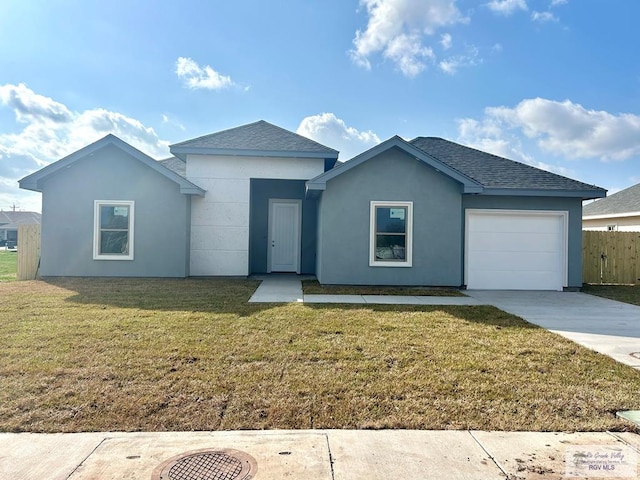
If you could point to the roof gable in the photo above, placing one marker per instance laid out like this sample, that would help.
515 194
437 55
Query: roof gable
625 201
320 182
478 172
34 181
260 139
501 176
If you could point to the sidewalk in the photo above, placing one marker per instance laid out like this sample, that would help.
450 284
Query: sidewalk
314 454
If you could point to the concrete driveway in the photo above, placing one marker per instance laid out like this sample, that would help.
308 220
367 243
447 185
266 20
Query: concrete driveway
606 326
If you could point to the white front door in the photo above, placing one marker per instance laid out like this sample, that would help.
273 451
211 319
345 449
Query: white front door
283 253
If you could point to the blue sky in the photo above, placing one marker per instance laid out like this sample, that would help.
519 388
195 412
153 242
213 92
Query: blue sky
552 83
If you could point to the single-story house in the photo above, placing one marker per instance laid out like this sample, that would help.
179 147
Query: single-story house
257 199
617 212
9 222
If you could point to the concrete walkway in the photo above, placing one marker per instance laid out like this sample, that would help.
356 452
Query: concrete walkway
606 326
278 288
288 288
321 454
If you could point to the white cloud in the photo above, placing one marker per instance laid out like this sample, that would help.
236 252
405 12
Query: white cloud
168 121
561 129
569 129
507 7
31 107
490 136
195 76
555 3
51 131
333 132
543 17
396 29
446 41
452 64
408 54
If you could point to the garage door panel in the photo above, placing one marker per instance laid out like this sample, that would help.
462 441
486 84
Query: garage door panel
516 250
523 261
512 223
490 241
498 279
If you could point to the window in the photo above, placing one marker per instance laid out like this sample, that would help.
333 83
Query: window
113 230
391 234
611 228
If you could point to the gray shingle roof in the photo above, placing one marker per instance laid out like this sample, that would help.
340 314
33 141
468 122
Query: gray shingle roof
11 220
260 137
624 201
492 171
176 165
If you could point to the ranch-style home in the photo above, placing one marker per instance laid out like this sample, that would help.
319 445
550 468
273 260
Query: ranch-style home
258 199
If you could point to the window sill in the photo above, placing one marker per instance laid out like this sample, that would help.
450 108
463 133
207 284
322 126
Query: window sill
390 264
114 257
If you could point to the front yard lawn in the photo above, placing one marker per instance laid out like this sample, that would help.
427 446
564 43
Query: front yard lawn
154 355
621 293
8 265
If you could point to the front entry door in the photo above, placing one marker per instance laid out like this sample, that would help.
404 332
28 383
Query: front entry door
284 235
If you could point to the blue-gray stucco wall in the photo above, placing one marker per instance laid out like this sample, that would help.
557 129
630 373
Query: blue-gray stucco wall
438 223
344 224
162 218
571 205
261 191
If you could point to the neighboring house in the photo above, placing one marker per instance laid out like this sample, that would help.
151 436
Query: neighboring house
9 222
260 199
618 212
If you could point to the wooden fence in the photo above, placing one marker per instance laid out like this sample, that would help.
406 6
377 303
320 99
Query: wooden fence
28 251
611 257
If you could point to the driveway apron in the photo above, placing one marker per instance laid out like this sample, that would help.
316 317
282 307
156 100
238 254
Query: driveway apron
606 326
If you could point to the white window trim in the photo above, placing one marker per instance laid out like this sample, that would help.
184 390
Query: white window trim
96 229
372 234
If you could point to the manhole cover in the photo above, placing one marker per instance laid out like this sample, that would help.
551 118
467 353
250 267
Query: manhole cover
207 464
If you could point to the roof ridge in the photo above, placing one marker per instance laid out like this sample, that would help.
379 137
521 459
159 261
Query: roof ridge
295 133
528 166
226 130
258 138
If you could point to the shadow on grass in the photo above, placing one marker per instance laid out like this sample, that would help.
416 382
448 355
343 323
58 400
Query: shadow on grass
621 293
481 314
213 295
231 296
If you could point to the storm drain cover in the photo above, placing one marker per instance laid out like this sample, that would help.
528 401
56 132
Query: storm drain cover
227 464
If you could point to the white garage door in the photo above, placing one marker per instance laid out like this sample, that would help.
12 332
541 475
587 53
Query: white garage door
515 250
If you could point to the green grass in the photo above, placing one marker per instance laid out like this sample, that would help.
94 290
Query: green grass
621 293
157 355
314 287
8 266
